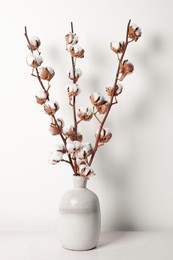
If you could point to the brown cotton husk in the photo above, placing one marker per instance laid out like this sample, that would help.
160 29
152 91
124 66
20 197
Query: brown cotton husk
70 38
118 50
111 91
70 76
102 109
132 33
125 68
35 46
99 101
106 138
85 116
45 74
54 129
78 54
40 101
79 137
49 110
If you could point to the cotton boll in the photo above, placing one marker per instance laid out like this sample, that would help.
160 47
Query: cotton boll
134 32
59 148
46 73
85 170
34 60
118 47
55 157
50 107
105 135
76 51
71 38
41 97
70 74
73 146
34 43
97 99
72 90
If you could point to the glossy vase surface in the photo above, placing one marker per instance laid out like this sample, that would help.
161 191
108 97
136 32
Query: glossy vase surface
79 218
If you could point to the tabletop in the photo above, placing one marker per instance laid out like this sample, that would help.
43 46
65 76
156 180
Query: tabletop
111 246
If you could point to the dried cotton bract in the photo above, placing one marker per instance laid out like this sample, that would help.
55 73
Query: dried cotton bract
78 137
56 129
70 133
111 91
102 109
85 113
126 67
118 47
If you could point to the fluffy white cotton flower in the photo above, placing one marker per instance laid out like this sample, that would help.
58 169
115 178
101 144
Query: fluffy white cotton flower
34 43
34 60
41 94
105 135
119 89
55 157
78 73
97 99
71 38
73 146
46 73
85 170
59 148
85 151
72 90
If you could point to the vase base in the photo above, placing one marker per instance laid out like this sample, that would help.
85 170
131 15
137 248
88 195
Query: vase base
85 249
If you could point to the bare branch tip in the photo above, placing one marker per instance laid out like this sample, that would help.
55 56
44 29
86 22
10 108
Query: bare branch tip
72 27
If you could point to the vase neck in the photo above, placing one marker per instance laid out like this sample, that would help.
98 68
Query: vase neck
79 182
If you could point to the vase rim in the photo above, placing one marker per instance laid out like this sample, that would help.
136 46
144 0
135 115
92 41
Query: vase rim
79 181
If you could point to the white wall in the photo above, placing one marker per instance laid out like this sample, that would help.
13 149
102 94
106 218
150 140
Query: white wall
134 170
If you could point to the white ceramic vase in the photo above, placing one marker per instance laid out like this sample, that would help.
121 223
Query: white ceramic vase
79 217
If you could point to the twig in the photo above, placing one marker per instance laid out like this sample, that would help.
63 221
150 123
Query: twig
74 81
97 117
78 122
62 160
111 101
74 102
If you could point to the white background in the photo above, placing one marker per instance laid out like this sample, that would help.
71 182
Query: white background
134 170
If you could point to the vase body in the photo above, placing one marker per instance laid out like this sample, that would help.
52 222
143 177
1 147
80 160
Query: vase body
79 217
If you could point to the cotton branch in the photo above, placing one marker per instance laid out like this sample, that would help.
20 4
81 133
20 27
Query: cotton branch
43 87
120 59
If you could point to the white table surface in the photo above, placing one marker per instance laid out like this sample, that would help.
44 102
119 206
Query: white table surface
111 246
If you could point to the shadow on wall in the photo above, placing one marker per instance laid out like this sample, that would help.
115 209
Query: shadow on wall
118 183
